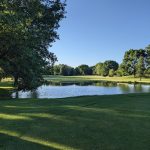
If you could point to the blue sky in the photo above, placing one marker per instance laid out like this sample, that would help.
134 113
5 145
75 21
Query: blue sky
99 30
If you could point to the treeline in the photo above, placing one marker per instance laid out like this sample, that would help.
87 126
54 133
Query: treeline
135 62
103 69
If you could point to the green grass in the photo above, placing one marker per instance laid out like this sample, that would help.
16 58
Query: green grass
120 122
6 83
128 79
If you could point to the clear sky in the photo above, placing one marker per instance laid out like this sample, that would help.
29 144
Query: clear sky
98 30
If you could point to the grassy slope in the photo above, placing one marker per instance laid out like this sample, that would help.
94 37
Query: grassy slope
120 122
95 78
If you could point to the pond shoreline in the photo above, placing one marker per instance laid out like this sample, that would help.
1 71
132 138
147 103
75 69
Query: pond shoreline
63 90
77 79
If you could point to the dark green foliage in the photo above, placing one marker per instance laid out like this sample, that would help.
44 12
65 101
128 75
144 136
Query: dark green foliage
77 71
104 68
84 70
27 29
136 62
110 64
140 67
2 73
148 57
98 69
64 70
119 73
147 72
111 73
92 70
131 58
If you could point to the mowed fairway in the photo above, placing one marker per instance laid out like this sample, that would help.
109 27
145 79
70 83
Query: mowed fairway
120 122
90 78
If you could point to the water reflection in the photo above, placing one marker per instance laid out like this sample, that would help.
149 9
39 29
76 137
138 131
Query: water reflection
96 83
60 90
125 87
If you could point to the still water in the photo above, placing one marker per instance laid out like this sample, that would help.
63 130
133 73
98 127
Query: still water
81 89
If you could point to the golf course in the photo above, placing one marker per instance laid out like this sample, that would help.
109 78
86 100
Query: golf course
74 75
98 122
110 122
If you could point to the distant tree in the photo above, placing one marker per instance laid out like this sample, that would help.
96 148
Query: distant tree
122 70
111 73
77 71
84 70
64 70
2 74
140 68
147 72
108 65
105 70
147 57
67 70
130 60
92 70
56 70
98 69
119 73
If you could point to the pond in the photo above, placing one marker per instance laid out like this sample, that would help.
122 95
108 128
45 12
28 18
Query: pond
63 90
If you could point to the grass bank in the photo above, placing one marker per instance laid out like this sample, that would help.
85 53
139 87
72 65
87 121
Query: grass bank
120 122
127 79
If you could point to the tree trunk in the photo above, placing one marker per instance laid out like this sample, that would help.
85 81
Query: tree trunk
16 81
134 73
140 78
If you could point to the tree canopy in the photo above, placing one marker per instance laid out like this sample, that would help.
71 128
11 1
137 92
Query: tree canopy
135 62
27 30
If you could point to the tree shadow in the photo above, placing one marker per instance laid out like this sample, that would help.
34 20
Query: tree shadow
15 143
76 124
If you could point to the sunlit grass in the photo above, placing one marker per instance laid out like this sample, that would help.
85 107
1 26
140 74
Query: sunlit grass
126 79
8 87
6 83
46 116
37 141
118 122
13 117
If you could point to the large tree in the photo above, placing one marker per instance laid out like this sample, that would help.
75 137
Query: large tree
64 70
98 70
130 61
109 65
84 70
148 57
27 30
140 67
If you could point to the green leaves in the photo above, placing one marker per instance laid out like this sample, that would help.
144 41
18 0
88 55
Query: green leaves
28 28
140 67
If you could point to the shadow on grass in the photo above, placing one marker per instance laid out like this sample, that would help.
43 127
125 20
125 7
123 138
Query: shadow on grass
103 122
21 144
5 93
